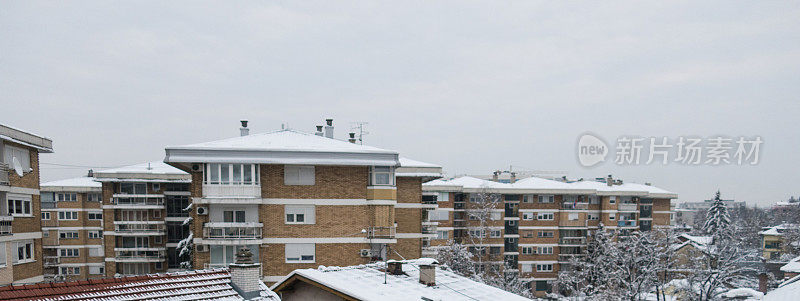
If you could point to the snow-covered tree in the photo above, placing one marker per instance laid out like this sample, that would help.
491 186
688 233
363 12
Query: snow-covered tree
718 220
508 280
456 258
593 274
479 215
636 265
185 248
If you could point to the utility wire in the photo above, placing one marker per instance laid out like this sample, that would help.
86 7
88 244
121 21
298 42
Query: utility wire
77 166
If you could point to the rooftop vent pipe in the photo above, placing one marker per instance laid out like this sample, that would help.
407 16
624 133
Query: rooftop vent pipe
394 267
244 131
329 128
319 131
352 137
427 271
91 173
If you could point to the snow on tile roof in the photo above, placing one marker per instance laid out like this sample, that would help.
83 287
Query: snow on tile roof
406 162
532 184
285 140
702 240
787 291
776 230
366 282
191 285
74 182
793 266
155 168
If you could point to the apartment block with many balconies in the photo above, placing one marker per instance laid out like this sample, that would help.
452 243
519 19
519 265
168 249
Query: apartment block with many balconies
72 229
300 200
143 208
20 223
534 226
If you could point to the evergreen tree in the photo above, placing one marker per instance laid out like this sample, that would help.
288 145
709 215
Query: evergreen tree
718 220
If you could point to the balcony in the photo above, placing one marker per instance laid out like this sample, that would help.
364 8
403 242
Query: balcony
574 206
572 241
428 229
627 207
51 261
138 201
4 170
626 224
140 254
232 191
429 199
568 257
382 232
5 225
139 228
459 206
218 230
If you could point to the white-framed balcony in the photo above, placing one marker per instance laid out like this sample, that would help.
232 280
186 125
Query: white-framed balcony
574 206
137 201
627 207
51 261
141 254
5 225
572 241
237 231
139 228
231 191
383 232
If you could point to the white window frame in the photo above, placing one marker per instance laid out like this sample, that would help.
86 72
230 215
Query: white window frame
45 216
299 175
66 197
544 250
68 215
94 216
93 197
527 268
255 177
528 198
442 234
69 252
528 216
384 170
3 258
94 234
292 212
439 215
545 216
544 267
592 216
548 199
294 253
96 270
612 216
24 202
541 232
24 252
573 216
68 235
527 250
612 200
69 270
495 233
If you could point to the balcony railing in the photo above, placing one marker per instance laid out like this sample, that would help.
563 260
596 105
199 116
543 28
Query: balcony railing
381 232
566 257
626 224
138 200
4 170
235 191
428 229
512 213
50 261
140 227
627 207
214 230
5 225
572 241
139 254
574 206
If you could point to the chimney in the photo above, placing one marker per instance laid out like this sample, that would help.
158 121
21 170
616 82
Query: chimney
244 131
427 271
394 267
329 128
609 180
245 275
319 131
495 175
762 282
91 173
513 177
352 137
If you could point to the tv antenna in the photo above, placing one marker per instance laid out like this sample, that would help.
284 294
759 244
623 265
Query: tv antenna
359 127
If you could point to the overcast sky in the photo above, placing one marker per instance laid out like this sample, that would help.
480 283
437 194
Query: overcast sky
473 86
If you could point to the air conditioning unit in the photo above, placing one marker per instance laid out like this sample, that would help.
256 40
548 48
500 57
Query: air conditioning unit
197 167
202 210
366 253
201 248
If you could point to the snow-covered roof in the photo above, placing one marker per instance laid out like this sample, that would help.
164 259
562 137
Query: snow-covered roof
282 147
786 291
145 171
776 230
366 282
744 293
541 185
190 285
793 266
418 169
74 184
26 138
702 240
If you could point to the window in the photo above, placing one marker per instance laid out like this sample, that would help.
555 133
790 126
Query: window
382 175
528 216
22 155
69 270
68 215
612 200
72 252
593 199
133 188
96 252
443 197
544 250
544 267
546 199
527 250
528 198
545 216
97 270
527 268
24 251
474 198
593 216
438 215
231 174
132 215
496 216
19 205
176 204
572 216
546 234
300 253
612 216
95 234
45 233
300 214
95 216
298 175
495 233
68 234
442 234
93 197
527 233
157 240
233 216
473 216
477 233
45 216
66 197
494 250
155 187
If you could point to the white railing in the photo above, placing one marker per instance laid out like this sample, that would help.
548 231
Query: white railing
381 232
139 227
139 254
138 200
212 190
627 207
214 230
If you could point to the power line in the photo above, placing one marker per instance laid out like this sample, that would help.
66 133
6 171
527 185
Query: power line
78 166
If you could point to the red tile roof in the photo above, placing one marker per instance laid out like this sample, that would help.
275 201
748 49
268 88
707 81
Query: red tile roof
199 284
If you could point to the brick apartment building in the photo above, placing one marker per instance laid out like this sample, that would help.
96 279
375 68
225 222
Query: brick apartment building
20 223
300 200
72 229
143 212
537 225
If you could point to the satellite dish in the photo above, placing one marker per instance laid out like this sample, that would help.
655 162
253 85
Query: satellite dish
17 166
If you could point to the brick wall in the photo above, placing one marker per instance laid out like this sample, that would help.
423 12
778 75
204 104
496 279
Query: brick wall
331 221
28 179
409 190
331 182
274 262
409 248
409 220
